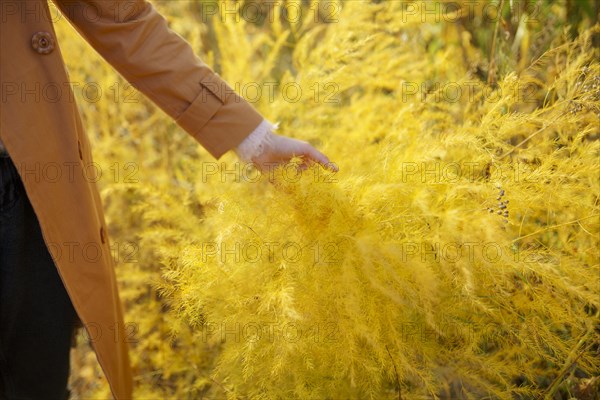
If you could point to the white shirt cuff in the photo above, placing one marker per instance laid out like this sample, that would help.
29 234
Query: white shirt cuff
256 142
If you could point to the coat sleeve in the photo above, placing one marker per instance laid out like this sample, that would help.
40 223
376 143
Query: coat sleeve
135 39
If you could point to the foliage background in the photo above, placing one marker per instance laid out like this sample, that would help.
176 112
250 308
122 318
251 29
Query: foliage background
375 323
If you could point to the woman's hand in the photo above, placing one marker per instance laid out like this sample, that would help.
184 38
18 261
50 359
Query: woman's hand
281 149
266 149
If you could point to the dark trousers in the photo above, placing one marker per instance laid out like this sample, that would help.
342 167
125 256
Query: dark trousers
37 318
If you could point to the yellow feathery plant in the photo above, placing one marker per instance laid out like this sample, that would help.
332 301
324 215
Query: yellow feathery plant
409 270
455 254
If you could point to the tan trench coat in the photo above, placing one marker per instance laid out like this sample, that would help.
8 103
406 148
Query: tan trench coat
43 132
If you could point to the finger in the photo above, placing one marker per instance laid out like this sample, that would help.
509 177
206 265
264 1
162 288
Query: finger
332 167
302 167
317 156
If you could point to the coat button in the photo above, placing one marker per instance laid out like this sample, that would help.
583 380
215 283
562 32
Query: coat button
42 42
102 235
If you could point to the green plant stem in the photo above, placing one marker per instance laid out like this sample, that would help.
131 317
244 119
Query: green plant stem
573 357
492 64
